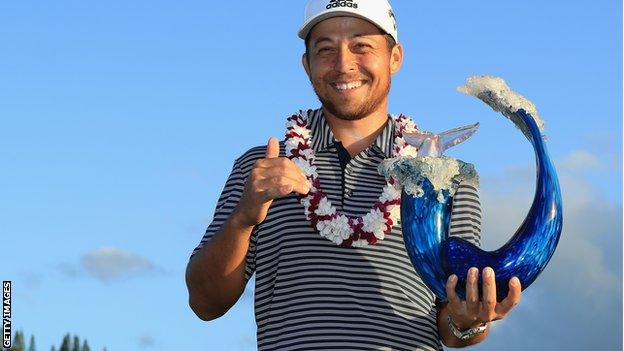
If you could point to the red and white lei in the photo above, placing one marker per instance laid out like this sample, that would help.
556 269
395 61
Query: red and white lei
342 229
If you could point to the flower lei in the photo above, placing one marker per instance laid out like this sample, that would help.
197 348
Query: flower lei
345 230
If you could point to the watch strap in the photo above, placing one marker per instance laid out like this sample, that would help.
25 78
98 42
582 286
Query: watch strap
466 334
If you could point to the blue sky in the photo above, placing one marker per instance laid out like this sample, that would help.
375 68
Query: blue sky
121 120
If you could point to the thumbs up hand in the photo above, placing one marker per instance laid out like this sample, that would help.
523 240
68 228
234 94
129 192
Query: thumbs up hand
270 178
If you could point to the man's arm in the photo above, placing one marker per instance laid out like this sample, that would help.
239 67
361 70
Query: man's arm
215 275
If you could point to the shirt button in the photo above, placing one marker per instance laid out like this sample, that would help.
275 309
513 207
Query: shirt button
348 192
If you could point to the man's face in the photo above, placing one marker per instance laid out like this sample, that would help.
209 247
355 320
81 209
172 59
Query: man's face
350 66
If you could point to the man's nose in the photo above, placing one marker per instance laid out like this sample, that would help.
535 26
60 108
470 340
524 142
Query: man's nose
345 60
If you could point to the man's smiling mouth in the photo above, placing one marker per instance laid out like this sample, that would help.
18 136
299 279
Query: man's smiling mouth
347 86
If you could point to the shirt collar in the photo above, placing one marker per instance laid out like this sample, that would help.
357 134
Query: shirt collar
323 137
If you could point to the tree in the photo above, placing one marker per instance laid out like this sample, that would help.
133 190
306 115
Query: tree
76 344
85 346
18 341
53 348
32 347
65 345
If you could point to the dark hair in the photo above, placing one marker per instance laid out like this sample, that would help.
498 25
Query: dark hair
390 42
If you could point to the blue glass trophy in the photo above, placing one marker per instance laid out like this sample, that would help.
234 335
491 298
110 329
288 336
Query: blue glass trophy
430 179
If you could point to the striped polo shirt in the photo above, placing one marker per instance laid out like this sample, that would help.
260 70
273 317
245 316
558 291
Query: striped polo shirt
311 294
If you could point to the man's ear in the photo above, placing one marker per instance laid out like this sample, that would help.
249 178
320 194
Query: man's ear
306 63
396 58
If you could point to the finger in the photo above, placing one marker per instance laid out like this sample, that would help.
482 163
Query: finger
275 168
472 292
454 300
275 192
292 166
281 180
302 188
488 304
281 164
512 299
272 150
276 187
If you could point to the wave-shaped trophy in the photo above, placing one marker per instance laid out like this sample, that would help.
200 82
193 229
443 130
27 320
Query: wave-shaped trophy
429 181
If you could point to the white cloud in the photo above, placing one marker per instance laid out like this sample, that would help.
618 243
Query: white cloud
579 160
107 264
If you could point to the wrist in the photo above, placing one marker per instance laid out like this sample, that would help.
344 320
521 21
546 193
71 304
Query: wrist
464 332
465 325
462 322
239 221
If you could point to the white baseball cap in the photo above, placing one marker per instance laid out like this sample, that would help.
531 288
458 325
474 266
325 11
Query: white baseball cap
378 12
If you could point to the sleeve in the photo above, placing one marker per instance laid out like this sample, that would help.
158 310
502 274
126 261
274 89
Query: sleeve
466 214
229 198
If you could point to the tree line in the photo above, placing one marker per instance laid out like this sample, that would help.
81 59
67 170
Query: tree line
68 343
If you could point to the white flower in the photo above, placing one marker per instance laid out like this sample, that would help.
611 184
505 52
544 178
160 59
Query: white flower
399 141
308 154
305 132
325 229
325 208
306 206
290 124
374 222
340 227
336 230
305 166
410 126
290 144
389 193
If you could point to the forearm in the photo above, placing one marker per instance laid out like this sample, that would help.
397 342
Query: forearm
215 275
447 336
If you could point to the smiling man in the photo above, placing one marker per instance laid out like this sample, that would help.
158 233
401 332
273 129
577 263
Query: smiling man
319 227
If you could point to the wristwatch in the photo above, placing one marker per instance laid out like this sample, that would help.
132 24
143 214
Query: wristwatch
466 334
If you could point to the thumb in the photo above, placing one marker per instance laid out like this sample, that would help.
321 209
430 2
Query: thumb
272 150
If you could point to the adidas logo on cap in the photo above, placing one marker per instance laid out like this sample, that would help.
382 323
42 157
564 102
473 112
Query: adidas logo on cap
341 3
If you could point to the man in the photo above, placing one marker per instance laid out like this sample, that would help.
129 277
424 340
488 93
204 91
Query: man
311 293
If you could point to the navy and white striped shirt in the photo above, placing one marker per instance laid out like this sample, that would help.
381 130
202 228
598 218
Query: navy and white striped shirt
311 294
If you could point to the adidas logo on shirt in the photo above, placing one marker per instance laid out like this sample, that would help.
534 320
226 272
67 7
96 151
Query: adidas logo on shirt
341 3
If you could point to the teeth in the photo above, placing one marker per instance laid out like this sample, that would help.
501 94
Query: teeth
348 86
